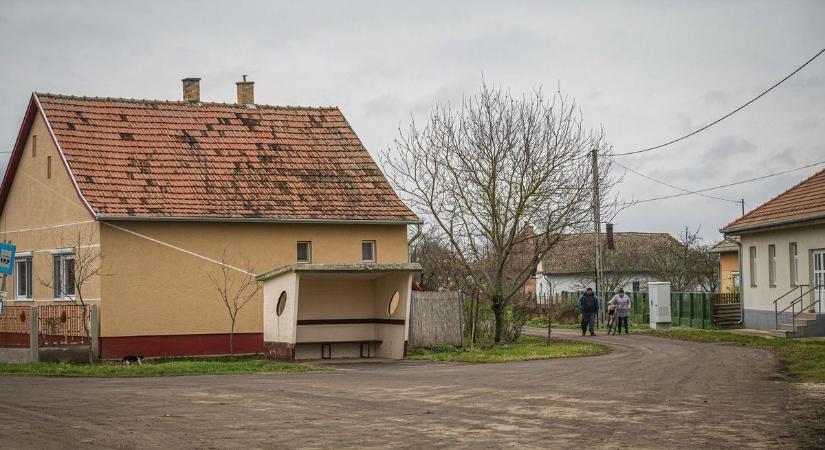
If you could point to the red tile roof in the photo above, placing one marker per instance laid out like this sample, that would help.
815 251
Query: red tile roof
159 159
805 201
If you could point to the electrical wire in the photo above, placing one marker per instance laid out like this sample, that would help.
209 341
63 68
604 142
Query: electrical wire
726 115
749 180
688 191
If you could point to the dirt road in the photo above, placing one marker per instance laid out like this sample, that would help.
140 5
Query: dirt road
648 392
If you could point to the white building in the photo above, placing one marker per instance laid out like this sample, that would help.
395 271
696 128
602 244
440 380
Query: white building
783 261
569 265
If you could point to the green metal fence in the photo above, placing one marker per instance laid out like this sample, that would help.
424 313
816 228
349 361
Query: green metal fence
687 309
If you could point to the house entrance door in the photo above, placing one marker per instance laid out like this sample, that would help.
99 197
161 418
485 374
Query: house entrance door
818 264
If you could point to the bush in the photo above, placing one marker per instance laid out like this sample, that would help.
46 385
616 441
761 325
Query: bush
515 316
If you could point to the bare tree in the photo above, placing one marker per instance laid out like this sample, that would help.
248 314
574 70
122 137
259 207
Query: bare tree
79 262
482 172
236 287
687 264
440 267
554 310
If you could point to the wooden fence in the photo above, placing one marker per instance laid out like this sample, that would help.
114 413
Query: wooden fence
436 318
48 333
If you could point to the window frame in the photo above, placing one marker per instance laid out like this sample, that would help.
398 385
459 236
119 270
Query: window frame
34 146
49 167
374 250
793 257
752 259
59 275
309 252
26 259
772 265
736 279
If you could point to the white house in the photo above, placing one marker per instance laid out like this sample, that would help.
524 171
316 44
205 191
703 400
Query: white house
783 261
569 265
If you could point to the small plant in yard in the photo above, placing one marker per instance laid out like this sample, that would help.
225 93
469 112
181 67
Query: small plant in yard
805 360
526 348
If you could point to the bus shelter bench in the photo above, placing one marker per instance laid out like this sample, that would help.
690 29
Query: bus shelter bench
326 347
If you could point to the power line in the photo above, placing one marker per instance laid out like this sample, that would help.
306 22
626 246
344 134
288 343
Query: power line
749 180
726 115
688 191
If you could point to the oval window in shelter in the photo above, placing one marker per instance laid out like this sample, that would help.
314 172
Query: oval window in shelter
394 301
281 304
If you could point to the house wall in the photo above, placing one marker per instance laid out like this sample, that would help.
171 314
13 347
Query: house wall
159 291
758 301
575 282
728 264
37 201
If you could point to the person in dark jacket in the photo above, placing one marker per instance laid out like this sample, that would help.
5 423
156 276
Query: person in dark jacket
589 307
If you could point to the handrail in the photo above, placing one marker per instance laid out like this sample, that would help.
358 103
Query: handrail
786 294
791 306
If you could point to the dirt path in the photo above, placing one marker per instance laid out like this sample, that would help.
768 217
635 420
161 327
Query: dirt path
649 392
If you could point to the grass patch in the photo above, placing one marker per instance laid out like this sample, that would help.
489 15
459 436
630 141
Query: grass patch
805 360
526 348
165 367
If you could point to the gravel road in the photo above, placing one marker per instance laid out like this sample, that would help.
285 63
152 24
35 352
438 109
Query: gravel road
647 393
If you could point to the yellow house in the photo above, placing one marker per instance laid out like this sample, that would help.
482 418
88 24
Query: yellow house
168 196
729 269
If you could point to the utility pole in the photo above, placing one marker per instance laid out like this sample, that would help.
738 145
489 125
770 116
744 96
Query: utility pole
742 202
598 227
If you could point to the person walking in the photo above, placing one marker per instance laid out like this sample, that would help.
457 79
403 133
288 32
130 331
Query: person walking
622 303
589 307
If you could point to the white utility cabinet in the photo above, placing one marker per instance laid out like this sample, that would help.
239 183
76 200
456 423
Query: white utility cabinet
659 295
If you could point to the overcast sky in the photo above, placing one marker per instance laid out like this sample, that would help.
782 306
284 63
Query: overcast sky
645 71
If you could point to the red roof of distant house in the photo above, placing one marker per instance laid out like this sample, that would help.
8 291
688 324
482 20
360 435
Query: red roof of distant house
147 159
803 202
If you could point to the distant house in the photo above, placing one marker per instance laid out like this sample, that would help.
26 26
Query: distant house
783 251
160 188
729 269
570 264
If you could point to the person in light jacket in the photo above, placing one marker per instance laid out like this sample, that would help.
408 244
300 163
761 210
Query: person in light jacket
622 303
589 307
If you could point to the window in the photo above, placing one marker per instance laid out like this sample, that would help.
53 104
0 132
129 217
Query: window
64 286
392 306
794 258
34 146
48 167
23 277
753 266
368 251
772 265
637 286
304 251
735 279
279 308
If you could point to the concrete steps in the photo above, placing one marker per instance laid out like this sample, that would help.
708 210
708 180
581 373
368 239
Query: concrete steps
807 325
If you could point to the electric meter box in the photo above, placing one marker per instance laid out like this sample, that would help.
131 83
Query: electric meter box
659 295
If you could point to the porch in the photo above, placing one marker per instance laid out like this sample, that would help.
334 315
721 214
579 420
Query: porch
322 311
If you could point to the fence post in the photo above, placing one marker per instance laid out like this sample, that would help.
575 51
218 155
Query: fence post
34 343
94 333
461 315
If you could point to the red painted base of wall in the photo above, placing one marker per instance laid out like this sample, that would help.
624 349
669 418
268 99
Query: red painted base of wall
179 345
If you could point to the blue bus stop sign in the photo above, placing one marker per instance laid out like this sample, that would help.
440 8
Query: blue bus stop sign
6 258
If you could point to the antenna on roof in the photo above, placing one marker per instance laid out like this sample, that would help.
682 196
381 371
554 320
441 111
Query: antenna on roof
244 77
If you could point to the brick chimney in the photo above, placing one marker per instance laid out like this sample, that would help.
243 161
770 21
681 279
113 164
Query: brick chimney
191 89
246 92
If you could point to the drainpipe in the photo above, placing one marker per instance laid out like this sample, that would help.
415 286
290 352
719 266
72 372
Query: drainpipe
741 280
413 239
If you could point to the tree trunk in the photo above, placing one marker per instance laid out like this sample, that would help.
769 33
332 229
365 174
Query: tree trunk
498 313
232 338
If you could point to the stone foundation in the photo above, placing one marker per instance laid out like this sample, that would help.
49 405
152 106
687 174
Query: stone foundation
279 351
